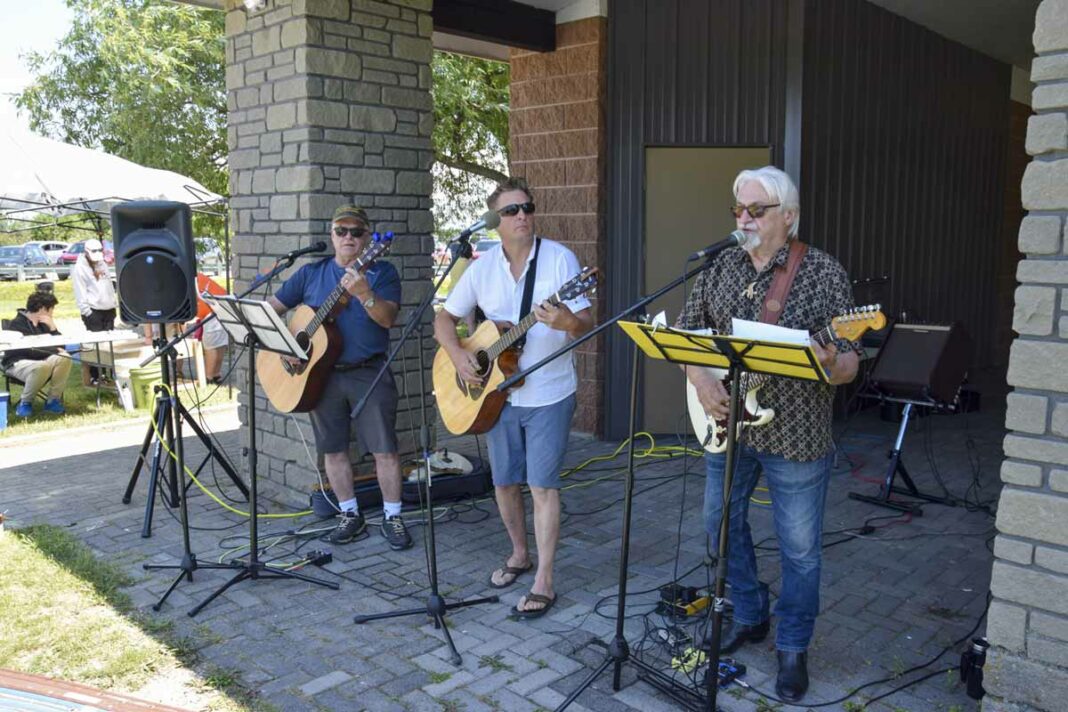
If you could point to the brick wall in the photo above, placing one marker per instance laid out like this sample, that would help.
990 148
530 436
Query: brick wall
329 102
1028 620
557 140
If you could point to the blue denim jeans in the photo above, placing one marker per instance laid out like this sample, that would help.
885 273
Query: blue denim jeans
798 493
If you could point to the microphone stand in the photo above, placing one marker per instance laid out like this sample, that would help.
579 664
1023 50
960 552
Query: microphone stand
436 607
189 562
618 649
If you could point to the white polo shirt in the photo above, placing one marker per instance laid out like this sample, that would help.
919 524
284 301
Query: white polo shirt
488 283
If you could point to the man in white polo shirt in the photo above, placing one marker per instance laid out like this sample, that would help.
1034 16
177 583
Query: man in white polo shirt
528 443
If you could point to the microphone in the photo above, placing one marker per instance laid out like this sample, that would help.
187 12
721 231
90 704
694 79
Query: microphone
489 219
737 238
317 247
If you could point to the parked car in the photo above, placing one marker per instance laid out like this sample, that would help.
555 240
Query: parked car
52 250
24 255
71 254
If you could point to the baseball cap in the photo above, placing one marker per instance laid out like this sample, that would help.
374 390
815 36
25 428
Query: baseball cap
351 211
93 245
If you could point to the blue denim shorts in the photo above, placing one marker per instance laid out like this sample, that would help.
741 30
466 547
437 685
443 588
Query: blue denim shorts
528 444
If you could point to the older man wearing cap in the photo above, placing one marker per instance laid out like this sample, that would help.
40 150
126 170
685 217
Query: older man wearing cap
364 323
94 293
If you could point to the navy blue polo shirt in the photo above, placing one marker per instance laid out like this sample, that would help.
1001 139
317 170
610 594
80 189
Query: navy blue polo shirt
363 337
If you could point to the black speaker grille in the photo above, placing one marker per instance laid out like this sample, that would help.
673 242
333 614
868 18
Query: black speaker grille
153 286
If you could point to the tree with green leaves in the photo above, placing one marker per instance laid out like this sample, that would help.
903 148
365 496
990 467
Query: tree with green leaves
145 80
140 79
470 130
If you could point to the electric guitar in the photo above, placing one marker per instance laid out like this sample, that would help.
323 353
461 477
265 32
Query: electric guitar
713 432
472 408
296 388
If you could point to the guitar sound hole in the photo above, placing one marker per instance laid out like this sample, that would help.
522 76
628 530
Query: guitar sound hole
483 363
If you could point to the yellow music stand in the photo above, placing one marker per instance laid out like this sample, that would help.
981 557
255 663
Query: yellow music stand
721 351
738 356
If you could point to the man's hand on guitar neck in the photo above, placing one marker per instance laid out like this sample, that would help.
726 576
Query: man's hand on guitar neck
561 318
710 391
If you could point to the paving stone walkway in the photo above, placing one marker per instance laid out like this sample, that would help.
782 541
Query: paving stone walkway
891 599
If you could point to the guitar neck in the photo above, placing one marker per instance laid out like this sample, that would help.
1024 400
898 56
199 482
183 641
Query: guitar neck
824 336
516 332
323 312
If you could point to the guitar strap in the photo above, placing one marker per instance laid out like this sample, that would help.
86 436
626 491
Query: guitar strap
528 292
775 299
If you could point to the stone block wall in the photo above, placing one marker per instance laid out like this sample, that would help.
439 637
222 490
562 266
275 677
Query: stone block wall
329 102
1028 620
557 142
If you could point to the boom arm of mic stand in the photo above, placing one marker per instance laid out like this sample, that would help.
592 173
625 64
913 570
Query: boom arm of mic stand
520 375
414 320
282 264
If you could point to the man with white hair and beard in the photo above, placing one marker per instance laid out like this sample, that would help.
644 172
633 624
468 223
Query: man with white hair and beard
795 450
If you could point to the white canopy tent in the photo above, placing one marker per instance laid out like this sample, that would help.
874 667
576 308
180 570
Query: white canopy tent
41 174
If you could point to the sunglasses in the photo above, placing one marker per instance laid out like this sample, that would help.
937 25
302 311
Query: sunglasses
755 210
356 232
514 208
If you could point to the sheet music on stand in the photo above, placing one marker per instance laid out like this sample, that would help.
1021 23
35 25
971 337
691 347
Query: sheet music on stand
239 316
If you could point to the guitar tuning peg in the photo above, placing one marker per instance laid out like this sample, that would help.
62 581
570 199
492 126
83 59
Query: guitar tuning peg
389 234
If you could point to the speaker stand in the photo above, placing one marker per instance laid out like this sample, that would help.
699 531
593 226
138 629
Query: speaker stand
894 468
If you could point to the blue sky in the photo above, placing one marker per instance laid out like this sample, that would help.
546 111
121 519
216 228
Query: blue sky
28 25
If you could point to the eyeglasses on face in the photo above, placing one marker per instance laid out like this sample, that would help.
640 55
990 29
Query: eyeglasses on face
356 232
514 208
755 210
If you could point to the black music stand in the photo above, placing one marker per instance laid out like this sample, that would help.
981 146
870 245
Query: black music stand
739 356
259 326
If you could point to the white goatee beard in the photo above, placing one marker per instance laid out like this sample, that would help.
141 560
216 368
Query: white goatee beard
752 243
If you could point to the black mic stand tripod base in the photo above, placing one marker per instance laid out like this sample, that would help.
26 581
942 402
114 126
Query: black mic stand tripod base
160 429
435 608
173 416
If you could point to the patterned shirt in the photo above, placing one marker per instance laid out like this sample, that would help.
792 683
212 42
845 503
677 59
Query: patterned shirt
732 287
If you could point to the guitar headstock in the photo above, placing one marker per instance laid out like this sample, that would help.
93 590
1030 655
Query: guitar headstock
856 321
378 248
585 281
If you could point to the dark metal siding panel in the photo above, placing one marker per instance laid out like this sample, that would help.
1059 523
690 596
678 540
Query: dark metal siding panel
904 141
680 72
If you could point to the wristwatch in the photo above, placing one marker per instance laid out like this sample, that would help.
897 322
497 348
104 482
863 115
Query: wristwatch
370 301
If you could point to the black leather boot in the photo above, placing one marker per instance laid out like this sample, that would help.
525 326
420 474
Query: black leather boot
739 634
792 682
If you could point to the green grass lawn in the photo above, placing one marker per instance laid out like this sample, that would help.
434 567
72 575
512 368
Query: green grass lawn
13 297
80 402
63 614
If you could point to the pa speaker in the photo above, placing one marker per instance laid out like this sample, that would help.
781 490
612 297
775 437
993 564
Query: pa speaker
923 362
155 261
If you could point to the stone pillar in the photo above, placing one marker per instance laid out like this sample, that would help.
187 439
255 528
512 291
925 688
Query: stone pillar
329 102
1028 621
557 142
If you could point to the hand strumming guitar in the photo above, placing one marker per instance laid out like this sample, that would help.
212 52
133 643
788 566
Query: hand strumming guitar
710 391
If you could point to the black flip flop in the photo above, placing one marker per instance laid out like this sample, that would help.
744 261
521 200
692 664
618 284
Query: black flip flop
515 571
537 612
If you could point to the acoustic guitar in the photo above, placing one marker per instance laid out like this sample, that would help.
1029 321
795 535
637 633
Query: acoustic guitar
296 388
473 408
713 432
